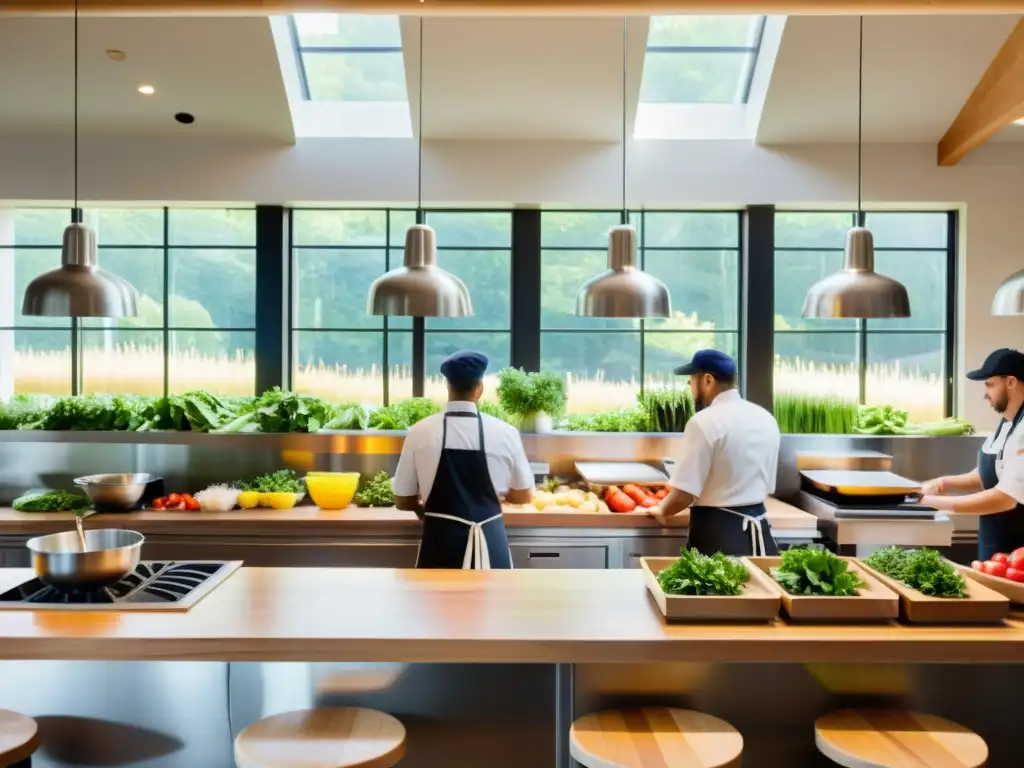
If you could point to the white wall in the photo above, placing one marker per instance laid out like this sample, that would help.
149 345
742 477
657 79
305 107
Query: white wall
988 186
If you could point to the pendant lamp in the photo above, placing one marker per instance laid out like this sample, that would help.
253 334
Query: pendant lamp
857 291
419 288
79 288
623 290
1009 298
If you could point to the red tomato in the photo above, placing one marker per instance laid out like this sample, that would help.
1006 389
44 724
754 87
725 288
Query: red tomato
1015 574
1017 558
1000 557
173 498
159 503
993 568
976 565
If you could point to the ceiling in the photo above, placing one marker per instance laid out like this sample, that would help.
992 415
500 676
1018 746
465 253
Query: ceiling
485 78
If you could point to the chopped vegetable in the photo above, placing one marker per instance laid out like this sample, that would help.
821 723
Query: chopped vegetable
805 571
282 481
376 492
920 569
175 502
52 501
697 574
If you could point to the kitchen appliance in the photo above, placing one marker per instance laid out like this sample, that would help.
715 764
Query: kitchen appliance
620 473
111 554
151 586
117 492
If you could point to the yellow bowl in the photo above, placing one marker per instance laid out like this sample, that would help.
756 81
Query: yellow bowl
332 490
280 500
248 499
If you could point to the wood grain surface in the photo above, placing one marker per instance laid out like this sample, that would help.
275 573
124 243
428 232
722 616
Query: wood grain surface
325 737
759 600
981 605
654 737
522 616
897 738
19 737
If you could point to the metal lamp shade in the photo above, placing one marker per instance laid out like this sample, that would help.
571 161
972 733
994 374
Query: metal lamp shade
857 291
1009 299
419 288
79 288
623 290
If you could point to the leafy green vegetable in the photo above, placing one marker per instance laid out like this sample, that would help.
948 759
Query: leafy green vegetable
629 420
809 415
282 481
403 414
920 569
524 394
376 492
697 574
805 571
498 412
52 501
667 410
23 409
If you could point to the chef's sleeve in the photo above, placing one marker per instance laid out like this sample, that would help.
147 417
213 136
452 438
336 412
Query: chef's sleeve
406 481
693 461
1012 480
521 477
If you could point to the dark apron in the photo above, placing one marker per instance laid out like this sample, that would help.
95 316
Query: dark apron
1002 532
737 531
462 525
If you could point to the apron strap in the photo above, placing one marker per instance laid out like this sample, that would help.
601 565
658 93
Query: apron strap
1013 426
752 524
476 556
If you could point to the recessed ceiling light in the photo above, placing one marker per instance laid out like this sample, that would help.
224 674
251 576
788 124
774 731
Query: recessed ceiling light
147 90
115 55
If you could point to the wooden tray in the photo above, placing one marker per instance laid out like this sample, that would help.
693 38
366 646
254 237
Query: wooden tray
981 606
1012 590
875 602
759 600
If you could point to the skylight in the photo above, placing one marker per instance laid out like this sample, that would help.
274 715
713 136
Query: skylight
352 58
700 59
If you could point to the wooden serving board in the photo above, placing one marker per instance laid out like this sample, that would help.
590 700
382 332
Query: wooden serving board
1012 590
874 602
759 600
981 606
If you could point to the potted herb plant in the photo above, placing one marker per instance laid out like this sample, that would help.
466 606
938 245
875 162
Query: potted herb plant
536 398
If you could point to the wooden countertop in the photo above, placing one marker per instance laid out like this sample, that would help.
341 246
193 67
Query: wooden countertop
543 616
311 520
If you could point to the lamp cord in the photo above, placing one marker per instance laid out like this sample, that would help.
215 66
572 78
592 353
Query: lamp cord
419 148
860 123
625 59
75 214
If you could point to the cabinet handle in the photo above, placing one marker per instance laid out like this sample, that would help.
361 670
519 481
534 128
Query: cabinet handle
544 554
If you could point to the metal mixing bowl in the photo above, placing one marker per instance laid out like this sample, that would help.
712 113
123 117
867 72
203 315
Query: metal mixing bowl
112 554
115 491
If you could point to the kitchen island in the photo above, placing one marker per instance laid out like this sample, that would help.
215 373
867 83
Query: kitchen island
499 661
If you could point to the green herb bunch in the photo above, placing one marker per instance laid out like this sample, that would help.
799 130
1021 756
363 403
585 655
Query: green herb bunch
806 571
376 492
403 414
697 574
52 501
666 410
523 394
627 420
282 481
922 569
809 415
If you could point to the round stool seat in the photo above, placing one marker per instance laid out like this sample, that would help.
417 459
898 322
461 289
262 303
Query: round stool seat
325 737
897 738
19 737
654 737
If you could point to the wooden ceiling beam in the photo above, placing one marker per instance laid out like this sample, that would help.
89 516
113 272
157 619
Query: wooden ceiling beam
996 101
507 7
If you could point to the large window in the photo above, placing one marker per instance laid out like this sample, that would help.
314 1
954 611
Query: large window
339 351
195 271
607 362
899 362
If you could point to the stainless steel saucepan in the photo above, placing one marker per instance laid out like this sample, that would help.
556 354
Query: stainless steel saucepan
111 554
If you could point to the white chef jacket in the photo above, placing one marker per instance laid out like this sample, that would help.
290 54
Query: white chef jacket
729 454
421 453
1010 470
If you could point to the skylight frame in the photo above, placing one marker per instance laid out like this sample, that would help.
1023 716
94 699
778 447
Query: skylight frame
301 49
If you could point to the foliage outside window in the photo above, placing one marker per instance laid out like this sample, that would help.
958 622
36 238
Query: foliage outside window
607 362
874 362
195 329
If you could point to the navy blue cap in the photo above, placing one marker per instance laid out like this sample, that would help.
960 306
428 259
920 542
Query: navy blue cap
464 369
711 361
1002 362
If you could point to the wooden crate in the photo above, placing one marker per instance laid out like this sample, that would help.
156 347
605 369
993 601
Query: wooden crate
759 601
874 602
1012 590
981 606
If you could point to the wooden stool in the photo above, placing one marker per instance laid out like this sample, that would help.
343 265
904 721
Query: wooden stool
897 738
654 737
325 737
19 738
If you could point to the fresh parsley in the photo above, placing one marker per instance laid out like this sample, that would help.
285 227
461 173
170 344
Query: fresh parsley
697 574
376 492
805 571
920 569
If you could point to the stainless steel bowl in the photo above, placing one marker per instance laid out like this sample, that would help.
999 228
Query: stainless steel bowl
112 554
115 491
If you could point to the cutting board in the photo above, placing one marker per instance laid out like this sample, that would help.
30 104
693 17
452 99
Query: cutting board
620 473
981 606
854 483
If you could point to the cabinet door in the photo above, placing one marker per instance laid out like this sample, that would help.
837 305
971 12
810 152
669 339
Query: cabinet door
539 556
652 546
286 555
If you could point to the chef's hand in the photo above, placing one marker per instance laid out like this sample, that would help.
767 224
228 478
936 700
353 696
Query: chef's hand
936 487
662 520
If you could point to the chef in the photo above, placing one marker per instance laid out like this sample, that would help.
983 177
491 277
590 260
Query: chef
726 463
462 463
995 488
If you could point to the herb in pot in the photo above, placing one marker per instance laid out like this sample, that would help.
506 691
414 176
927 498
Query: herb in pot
529 395
376 492
697 574
52 501
920 569
805 571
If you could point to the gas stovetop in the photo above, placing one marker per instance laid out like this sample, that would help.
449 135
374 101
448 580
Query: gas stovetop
152 586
